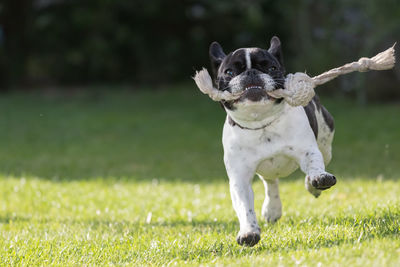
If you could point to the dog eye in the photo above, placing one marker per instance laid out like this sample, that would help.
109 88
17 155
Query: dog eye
229 72
272 68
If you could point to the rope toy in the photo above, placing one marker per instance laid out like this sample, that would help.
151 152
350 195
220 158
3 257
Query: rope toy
299 87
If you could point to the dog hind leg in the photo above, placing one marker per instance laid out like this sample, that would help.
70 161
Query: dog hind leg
272 206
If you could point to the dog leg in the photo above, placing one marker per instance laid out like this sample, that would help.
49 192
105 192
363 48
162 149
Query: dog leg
240 179
272 206
317 179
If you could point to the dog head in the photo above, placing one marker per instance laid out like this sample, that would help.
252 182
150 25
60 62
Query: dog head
251 72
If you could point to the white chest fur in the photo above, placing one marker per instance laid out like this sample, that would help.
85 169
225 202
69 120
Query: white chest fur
272 150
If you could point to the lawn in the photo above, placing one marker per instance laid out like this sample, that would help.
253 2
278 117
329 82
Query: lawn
122 177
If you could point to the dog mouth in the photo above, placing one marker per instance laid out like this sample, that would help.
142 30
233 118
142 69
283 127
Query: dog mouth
255 92
253 87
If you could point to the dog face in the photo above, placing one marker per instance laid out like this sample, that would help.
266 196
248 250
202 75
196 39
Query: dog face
253 72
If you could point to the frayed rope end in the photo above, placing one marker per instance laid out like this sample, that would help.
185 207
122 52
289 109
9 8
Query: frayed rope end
203 80
382 61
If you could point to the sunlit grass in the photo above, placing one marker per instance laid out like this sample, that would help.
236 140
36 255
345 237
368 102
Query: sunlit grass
120 221
137 178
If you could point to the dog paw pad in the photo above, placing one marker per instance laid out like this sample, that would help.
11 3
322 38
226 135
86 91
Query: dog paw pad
248 239
324 181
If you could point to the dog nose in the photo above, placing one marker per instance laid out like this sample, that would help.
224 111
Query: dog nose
251 72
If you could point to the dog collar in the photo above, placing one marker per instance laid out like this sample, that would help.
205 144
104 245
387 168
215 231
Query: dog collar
233 123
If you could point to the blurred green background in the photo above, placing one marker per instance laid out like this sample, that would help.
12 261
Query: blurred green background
110 155
55 43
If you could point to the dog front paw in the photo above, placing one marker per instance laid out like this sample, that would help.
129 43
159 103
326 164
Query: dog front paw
248 239
322 181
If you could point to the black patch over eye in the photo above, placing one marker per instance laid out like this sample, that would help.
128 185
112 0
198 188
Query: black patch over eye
229 72
239 65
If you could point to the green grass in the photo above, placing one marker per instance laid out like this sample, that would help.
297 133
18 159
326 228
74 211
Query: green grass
136 178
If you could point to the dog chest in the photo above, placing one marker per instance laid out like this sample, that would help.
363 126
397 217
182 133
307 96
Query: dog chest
269 149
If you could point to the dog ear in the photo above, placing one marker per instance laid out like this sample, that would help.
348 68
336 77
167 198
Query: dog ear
276 50
216 56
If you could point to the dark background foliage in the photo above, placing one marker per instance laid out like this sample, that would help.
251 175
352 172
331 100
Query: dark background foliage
75 42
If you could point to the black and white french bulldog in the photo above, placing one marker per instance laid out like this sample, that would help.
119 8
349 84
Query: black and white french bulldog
265 136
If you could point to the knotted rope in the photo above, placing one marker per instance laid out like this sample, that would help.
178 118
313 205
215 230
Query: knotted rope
299 87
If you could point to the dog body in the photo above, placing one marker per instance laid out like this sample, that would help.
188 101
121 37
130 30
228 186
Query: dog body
266 136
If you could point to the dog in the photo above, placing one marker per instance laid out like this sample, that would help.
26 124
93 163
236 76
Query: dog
264 135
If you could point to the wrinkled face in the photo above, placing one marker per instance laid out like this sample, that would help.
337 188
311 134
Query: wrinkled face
253 72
